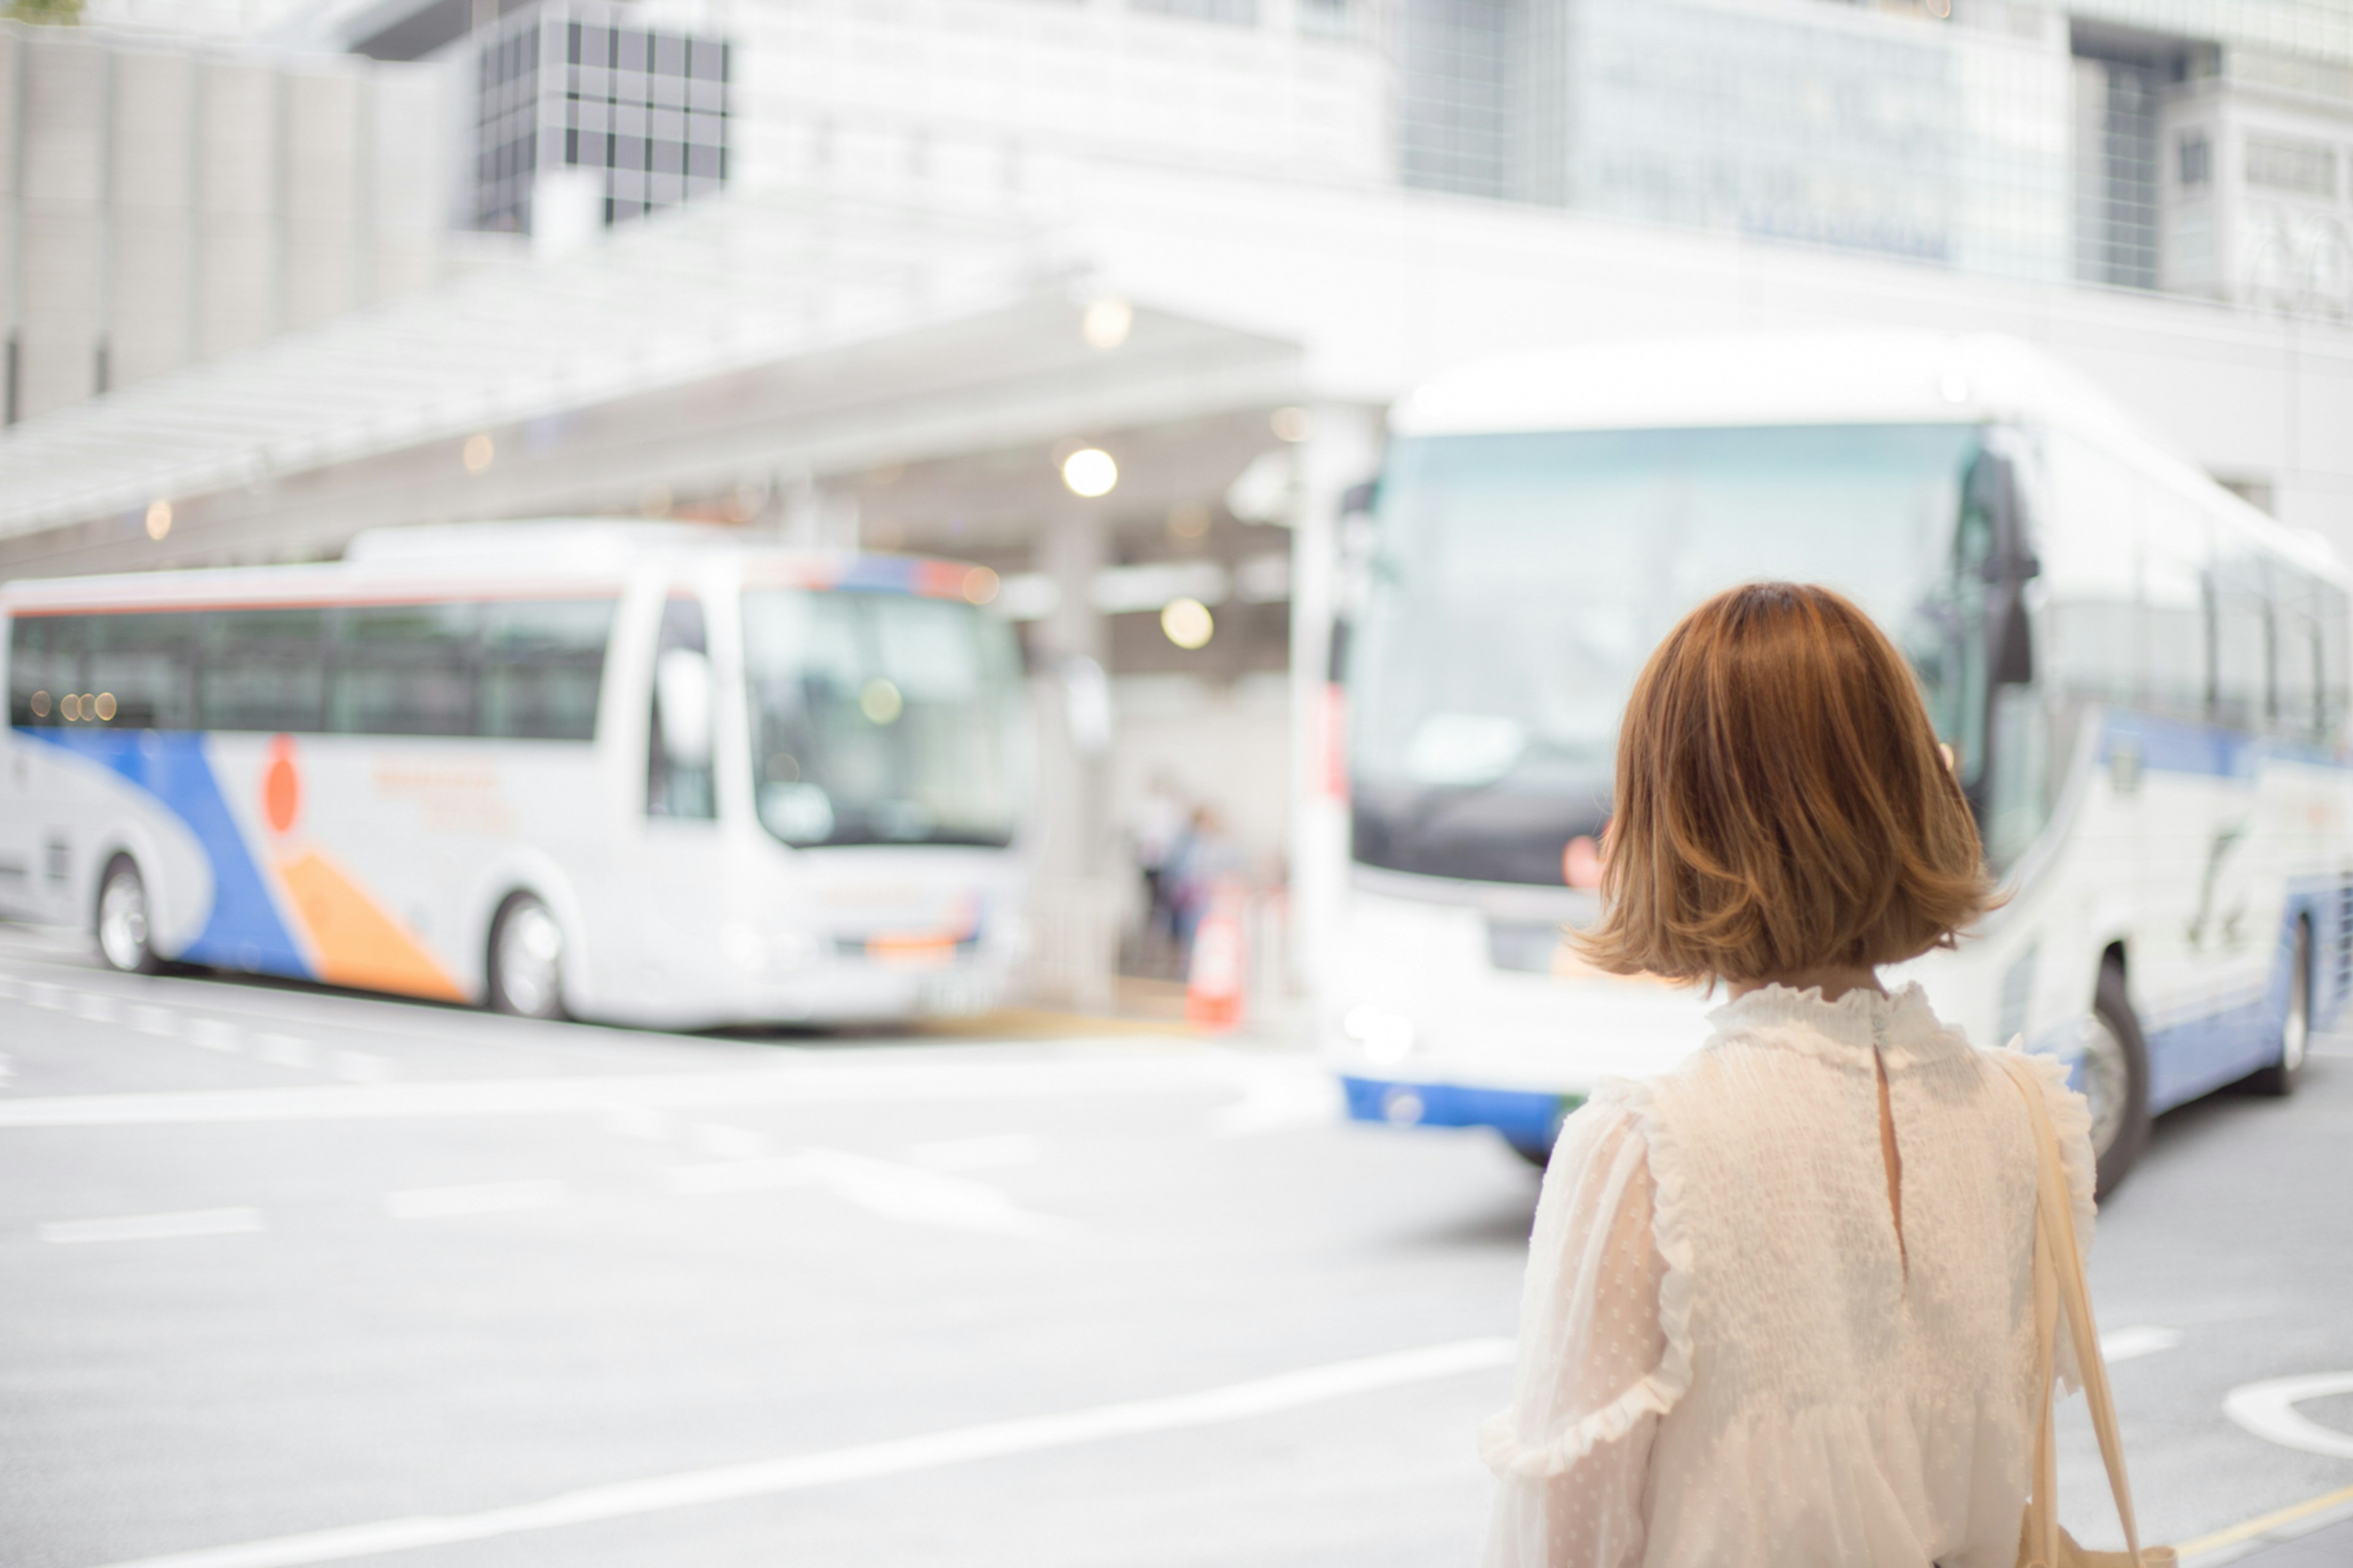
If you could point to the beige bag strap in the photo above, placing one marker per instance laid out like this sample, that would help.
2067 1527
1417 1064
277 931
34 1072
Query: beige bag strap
2058 1258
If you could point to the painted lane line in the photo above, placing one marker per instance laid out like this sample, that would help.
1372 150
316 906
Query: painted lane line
917 1196
155 1226
361 1066
2297 1519
215 1036
160 1021
865 1461
723 1142
96 1006
2268 1409
1063 1077
485 1197
2126 1344
1000 1153
739 1176
282 1051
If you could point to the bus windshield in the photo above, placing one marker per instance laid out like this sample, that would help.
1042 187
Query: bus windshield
1518 582
880 718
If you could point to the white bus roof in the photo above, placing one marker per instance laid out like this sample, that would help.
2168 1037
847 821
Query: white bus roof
1826 377
548 557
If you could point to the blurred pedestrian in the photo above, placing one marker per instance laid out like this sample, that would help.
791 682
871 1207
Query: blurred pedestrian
1203 856
1780 1301
1159 825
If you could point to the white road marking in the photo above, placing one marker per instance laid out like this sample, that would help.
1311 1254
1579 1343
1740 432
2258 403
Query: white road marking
155 1021
485 1197
918 1196
2125 1344
49 997
155 1227
2269 1410
740 1177
1001 1152
214 1036
1063 1075
282 1051
361 1066
865 1461
96 1006
722 1142
1278 1097
637 1121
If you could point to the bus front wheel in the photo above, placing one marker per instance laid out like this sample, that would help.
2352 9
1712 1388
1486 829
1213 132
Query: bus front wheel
526 974
2116 1078
124 938
2295 1028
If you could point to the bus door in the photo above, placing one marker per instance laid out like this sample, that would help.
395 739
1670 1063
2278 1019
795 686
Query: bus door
682 863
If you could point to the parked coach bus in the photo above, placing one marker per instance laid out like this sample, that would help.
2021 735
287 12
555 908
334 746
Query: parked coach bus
2142 678
640 772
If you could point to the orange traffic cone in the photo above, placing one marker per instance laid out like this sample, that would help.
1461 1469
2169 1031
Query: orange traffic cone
1213 985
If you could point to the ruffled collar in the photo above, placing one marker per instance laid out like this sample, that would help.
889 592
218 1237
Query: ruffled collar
1902 1025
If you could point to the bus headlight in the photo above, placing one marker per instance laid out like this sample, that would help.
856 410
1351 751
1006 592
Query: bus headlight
1386 1036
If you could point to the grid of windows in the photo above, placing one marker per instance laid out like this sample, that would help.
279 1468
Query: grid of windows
1455 103
2117 136
584 86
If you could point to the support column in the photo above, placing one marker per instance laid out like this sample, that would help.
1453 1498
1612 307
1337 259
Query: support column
1075 903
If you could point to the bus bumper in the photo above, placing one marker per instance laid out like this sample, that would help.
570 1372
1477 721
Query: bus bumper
1528 1120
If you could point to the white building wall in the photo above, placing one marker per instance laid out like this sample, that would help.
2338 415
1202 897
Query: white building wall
878 92
161 203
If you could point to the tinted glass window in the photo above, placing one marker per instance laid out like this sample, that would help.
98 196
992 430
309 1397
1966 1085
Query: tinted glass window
142 666
403 669
542 667
44 665
2243 637
677 787
262 670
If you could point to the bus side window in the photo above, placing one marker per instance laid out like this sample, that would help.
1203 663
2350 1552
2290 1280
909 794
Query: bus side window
262 670
676 787
404 670
44 664
542 668
2296 656
146 663
2330 653
2242 643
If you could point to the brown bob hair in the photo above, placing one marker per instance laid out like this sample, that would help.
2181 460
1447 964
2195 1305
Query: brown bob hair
1781 804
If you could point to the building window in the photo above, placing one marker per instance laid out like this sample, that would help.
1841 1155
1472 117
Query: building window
2279 164
2193 154
586 87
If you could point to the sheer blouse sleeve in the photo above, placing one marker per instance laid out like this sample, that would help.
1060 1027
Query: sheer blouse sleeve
1596 1367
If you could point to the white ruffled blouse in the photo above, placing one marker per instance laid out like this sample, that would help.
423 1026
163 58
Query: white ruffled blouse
1727 1358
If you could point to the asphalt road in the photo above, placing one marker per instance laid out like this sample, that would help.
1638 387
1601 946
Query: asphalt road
291 1276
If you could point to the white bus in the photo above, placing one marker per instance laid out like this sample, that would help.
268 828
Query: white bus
648 774
2143 679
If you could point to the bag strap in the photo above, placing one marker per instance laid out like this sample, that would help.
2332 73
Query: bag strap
2057 1253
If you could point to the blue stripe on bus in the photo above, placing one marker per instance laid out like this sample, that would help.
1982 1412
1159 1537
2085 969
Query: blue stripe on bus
242 930
2181 746
1528 1118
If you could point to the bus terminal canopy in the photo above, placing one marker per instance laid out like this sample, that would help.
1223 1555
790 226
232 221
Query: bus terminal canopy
767 331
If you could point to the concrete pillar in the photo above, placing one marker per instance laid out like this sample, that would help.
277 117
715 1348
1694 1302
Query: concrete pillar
1076 904
1341 450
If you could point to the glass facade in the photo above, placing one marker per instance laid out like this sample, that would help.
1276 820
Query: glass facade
586 87
2024 140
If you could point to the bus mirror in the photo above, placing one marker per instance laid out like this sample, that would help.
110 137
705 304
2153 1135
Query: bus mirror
1359 499
682 701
